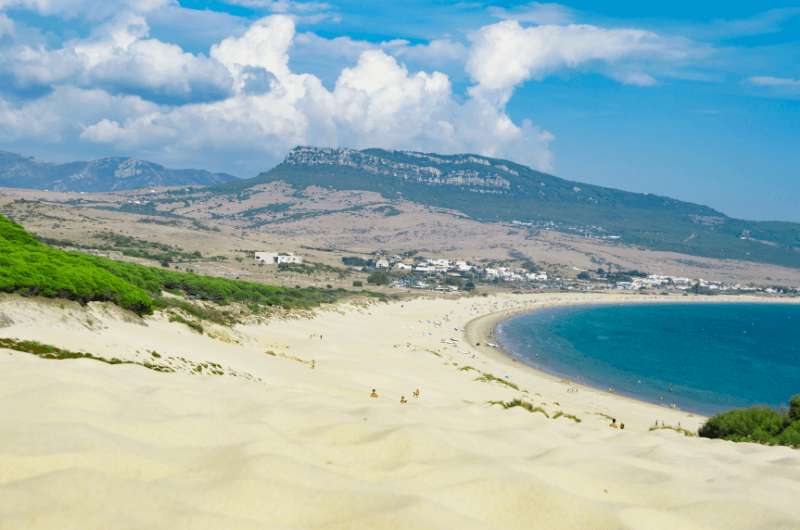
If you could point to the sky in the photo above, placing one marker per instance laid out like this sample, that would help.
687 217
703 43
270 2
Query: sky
694 100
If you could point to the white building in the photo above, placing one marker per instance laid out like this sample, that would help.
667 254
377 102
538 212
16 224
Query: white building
403 266
382 264
463 266
278 258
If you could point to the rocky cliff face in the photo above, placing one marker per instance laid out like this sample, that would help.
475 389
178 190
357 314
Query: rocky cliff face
106 174
468 171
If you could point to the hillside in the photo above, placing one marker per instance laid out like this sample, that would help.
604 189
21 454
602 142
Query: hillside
106 174
31 268
491 190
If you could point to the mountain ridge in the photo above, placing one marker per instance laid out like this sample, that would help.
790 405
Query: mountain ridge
496 190
104 174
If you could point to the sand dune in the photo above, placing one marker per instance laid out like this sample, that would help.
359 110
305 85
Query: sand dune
274 443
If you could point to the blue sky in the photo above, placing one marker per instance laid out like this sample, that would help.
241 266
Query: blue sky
696 100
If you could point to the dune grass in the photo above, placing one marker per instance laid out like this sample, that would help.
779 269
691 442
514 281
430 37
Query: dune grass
562 414
530 407
490 378
46 351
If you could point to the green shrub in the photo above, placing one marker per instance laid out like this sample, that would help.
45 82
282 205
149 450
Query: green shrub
31 268
379 278
757 424
794 408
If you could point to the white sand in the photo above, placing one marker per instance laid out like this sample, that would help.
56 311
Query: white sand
86 445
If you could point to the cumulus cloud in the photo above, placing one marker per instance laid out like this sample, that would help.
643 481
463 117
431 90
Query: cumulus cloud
64 113
505 54
245 104
119 57
377 102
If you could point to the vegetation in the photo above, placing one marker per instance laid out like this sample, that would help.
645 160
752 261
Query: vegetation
530 407
354 261
387 210
45 351
757 424
192 324
312 268
31 268
489 378
133 247
379 278
562 414
678 429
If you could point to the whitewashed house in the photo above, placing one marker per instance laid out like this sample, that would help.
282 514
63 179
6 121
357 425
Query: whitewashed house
278 258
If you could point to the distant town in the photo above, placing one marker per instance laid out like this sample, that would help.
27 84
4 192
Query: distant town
412 271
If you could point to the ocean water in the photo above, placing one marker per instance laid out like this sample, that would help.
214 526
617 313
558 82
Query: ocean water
704 358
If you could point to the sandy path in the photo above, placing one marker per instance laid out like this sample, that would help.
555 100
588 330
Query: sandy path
277 444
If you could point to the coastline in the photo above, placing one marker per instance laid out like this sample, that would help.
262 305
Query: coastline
481 330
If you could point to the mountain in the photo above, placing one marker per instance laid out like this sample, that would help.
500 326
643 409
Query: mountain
489 189
106 174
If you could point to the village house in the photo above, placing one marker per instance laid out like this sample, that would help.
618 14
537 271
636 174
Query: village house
278 258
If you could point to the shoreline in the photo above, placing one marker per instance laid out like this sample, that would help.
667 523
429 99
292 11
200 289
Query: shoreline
482 330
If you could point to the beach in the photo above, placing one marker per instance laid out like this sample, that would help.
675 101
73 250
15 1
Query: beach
284 434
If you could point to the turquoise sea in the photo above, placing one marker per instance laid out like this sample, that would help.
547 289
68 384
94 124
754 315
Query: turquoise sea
703 358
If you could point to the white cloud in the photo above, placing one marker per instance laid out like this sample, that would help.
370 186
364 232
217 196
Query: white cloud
117 56
88 9
777 86
537 13
63 114
241 107
6 25
505 54
775 82
265 45
438 53
281 6
375 103
307 12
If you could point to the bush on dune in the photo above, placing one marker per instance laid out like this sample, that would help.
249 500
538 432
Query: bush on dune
757 424
31 268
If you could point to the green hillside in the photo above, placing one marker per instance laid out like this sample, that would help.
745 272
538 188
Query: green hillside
489 189
31 268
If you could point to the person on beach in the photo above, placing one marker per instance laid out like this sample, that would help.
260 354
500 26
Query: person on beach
373 394
416 393
403 400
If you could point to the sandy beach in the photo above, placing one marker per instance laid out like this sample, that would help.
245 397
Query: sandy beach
272 426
